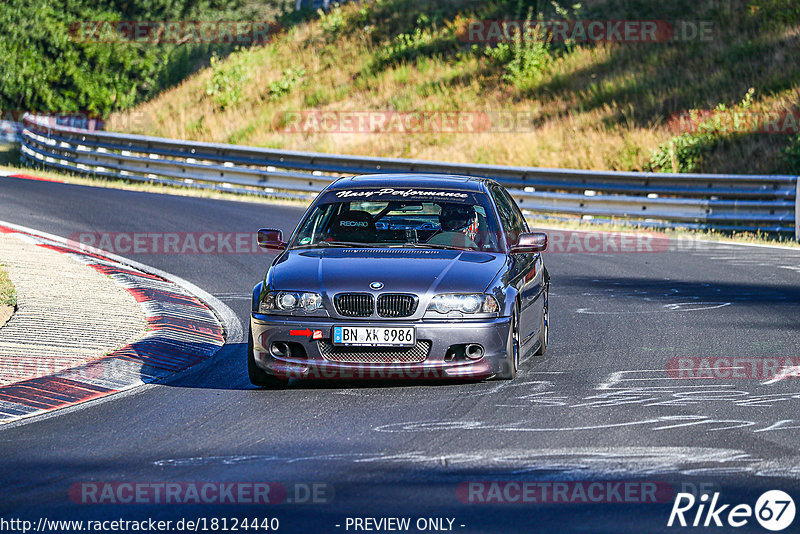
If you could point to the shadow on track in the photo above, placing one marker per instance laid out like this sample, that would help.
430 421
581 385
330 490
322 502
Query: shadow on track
228 371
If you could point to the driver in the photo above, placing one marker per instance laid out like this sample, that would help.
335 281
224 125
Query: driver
460 218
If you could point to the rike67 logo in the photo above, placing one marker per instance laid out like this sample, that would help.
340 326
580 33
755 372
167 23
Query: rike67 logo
774 510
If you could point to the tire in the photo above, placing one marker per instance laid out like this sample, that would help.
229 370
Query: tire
258 377
511 363
544 331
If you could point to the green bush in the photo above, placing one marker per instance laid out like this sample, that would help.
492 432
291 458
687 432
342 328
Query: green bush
523 60
407 46
288 81
333 21
683 153
786 11
528 57
500 54
529 60
427 39
791 155
225 85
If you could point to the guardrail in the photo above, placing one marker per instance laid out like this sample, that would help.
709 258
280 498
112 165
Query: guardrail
726 202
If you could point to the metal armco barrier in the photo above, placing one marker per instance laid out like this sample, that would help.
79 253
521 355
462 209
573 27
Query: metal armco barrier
797 213
725 202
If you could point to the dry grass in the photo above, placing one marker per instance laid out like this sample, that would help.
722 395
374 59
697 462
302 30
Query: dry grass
600 106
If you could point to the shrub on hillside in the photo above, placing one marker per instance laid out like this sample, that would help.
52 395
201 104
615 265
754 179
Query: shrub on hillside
786 11
225 84
790 156
685 152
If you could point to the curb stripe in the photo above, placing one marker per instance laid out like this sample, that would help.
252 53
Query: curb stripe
35 178
183 331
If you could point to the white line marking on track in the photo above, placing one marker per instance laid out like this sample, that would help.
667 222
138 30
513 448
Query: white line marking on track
675 307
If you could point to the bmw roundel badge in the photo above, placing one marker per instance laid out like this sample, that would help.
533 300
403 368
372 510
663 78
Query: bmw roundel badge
376 286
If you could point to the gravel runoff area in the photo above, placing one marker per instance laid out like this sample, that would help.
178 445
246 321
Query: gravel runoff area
67 313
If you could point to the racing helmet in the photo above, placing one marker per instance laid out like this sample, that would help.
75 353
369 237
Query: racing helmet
456 217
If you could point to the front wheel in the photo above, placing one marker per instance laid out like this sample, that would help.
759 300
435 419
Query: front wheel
544 331
511 364
258 377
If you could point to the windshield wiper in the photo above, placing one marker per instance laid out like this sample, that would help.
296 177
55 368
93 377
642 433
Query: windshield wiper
348 244
432 245
336 244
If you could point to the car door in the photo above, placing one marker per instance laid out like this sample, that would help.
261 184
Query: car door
534 287
523 270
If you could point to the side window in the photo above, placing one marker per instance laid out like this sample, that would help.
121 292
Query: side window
521 224
502 209
508 217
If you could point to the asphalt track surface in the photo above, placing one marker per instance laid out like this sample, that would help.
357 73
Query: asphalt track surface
600 406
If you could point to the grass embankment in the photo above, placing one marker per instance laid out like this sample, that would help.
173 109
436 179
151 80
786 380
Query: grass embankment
600 105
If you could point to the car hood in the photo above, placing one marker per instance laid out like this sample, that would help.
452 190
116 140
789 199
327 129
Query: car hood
419 271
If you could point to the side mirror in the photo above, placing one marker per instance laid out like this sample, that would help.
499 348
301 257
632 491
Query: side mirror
530 242
271 238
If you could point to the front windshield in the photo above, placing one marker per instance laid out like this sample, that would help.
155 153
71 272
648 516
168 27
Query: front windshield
466 224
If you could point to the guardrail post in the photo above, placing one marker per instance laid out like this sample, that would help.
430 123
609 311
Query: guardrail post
797 212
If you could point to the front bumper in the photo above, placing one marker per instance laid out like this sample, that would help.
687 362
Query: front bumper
441 362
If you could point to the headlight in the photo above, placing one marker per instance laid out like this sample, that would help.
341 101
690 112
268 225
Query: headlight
464 303
288 301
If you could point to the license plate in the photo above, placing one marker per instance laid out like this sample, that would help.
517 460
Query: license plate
374 336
